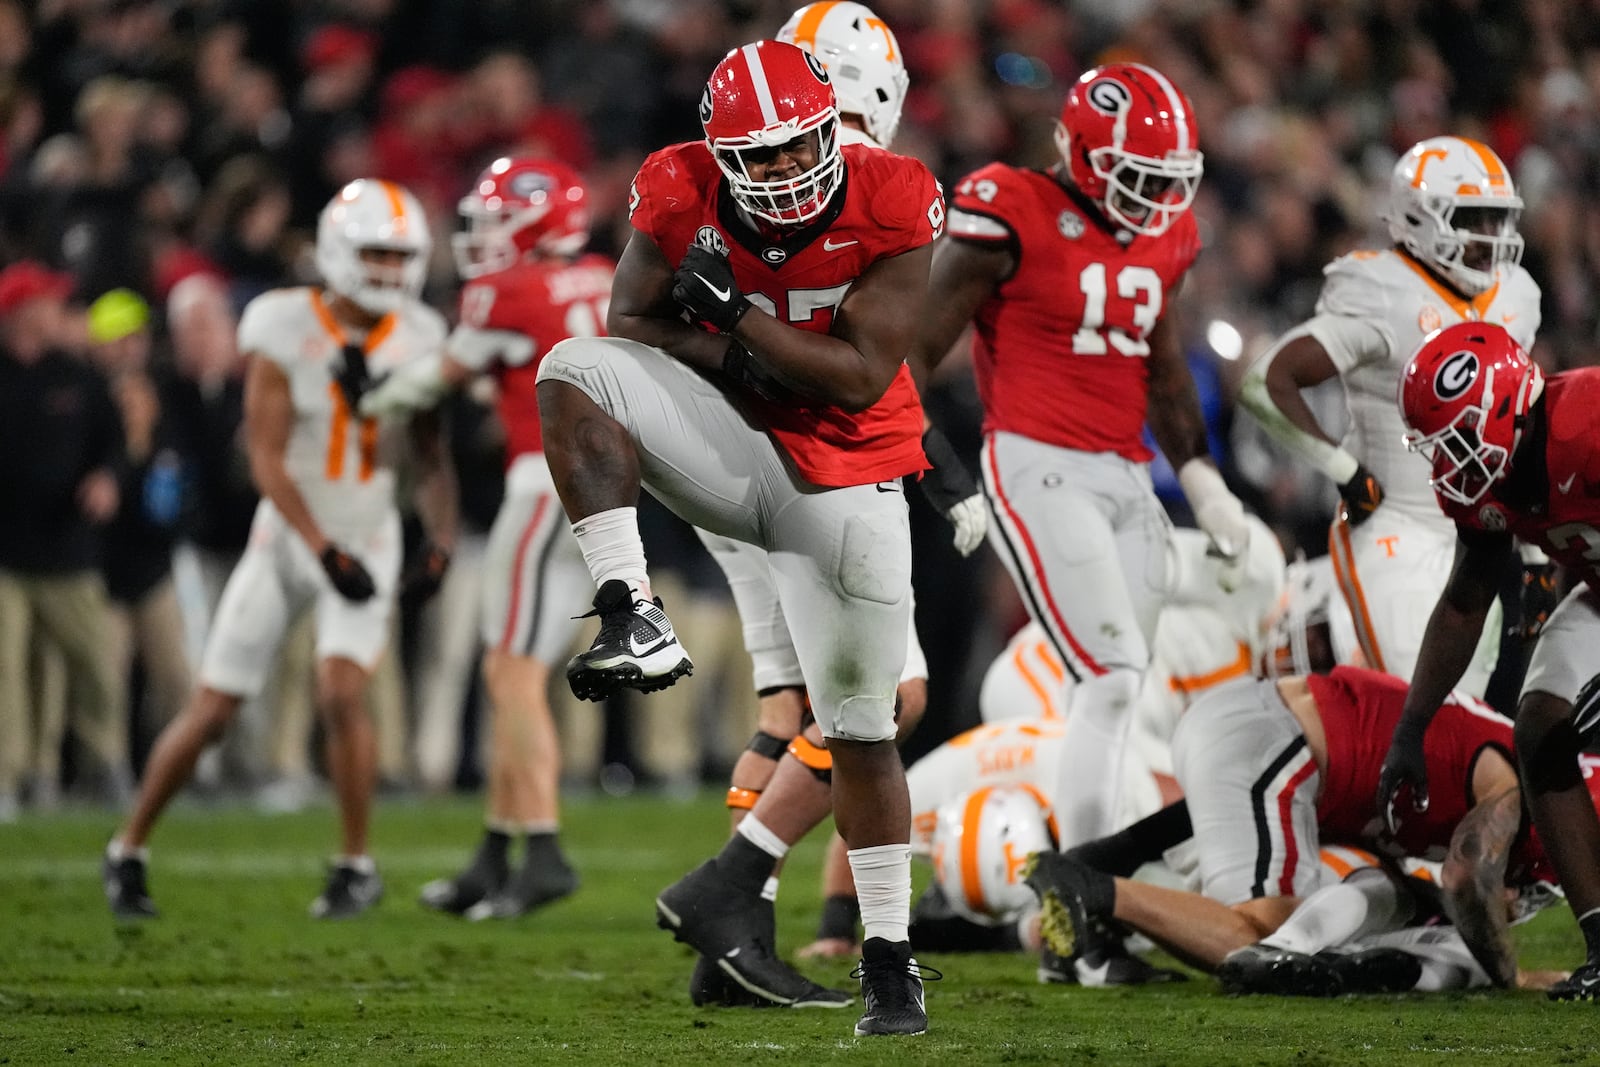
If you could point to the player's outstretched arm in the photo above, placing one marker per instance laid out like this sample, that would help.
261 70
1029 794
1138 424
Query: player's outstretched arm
1271 392
268 418
642 308
962 277
437 496
1474 874
853 366
1447 649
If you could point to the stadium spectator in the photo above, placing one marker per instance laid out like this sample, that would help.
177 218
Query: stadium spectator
60 451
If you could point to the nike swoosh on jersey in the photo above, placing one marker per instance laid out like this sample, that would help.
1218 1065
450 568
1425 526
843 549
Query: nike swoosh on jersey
1564 486
720 294
829 246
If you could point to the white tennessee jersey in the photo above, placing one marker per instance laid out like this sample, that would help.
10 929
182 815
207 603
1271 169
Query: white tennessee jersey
338 460
1396 304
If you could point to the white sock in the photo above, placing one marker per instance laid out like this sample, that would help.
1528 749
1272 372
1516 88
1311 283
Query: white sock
769 892
362 863
883 887
1338 914
756 832
1089 776
116 852
611 548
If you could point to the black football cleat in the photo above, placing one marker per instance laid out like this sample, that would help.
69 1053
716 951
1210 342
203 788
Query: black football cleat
636 647
1114 965
735 932
482 878
1263 969
1581 984
526 891
1374 970
1075 902
126 889
350 890
891 989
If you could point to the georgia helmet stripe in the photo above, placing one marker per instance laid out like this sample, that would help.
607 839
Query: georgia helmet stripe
758 79
1175 101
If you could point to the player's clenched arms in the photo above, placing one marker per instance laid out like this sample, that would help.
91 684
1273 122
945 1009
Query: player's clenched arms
642 308
1474 874
962 277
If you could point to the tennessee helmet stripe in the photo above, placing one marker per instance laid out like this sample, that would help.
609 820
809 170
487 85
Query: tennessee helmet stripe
397 204
758 78
971 873
1492 166
805 34
1046 807
1040 693
1179 113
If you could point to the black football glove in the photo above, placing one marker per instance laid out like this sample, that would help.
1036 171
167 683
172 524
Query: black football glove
425 574
347 574
1539 598
741 368
1403 766
953 492
704 285
1361 495
354 377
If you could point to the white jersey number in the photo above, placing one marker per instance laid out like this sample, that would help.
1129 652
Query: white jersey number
802 305
1139 284
586 317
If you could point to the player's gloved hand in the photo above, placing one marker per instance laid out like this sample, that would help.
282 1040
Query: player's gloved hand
353 376
1361 495
1404 766
740 367
415 385
1218 512
425 574
347 574
953 492
704 285
1538 598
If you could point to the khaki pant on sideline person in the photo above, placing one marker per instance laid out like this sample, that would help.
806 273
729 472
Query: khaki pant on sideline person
72 611
152 630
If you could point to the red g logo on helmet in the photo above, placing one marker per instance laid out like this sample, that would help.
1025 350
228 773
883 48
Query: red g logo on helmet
520 206
1456 373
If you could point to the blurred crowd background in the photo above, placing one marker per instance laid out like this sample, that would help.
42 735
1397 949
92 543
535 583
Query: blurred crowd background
163 161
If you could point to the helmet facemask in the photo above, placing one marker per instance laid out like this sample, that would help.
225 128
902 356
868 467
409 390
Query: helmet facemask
387 278
1147 195
789 201
1463 464
1467 240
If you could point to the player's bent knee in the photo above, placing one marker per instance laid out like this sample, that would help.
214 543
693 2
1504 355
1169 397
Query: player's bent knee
863 718
1547 744
215 711
873 563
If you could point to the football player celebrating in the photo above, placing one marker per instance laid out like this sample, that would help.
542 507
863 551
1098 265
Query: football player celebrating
1453 217
528 286
782 415
862 57
326 535
1512 454
1067 277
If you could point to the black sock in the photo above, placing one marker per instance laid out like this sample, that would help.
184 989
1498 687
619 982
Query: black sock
840 914
1590 925
496 845
746 865
1127 850
542 851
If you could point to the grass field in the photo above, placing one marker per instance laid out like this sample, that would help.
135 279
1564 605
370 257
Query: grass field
235 973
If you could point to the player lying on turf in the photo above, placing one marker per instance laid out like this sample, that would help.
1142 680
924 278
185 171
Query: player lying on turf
1272 769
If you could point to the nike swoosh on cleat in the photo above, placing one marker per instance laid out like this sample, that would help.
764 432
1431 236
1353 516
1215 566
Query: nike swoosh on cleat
646 650
720 294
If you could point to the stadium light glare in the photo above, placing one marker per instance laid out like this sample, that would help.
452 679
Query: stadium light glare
1224 339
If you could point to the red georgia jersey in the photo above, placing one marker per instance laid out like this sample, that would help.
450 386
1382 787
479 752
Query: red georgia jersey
511 318
1567 526
889 205
1059 346
1359 711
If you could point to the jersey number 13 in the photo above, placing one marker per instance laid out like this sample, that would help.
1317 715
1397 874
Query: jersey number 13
1142 285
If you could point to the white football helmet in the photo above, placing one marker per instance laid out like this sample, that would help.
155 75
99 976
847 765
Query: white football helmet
1308 590
370 213
861 55
980 844
1453 206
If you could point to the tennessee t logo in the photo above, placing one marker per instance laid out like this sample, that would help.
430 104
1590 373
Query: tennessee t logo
1388 544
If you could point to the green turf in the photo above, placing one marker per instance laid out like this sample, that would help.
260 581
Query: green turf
235 973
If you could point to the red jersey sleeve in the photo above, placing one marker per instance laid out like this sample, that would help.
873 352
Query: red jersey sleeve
908 205
662 192
978 210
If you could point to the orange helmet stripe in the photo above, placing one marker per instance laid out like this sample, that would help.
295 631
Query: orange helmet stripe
1491 163
971 873
397 204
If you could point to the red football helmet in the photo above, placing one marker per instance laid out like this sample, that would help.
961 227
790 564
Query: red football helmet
1129 139
1466 396
518 206
761 97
